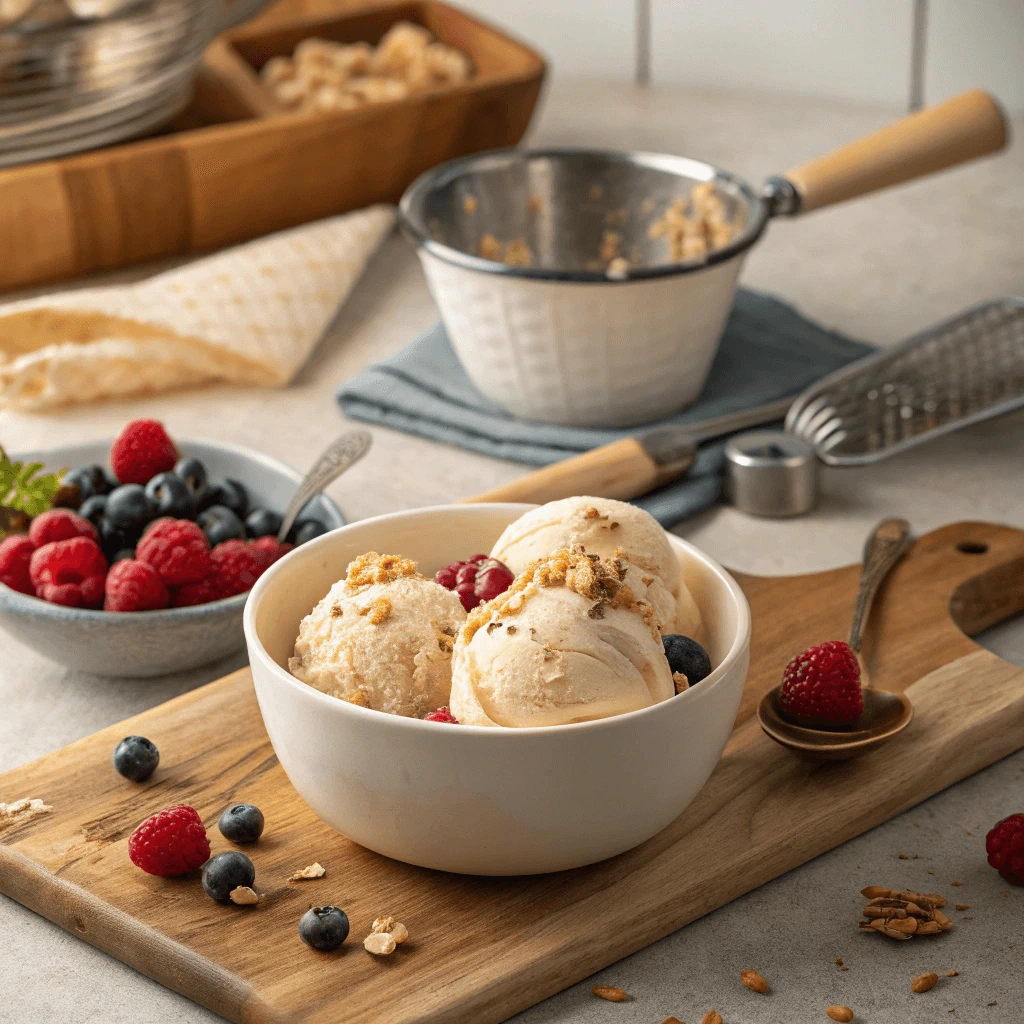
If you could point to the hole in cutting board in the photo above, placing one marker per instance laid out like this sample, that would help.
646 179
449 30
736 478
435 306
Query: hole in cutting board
972 547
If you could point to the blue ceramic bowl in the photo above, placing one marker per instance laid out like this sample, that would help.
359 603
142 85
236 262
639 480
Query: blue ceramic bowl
141 644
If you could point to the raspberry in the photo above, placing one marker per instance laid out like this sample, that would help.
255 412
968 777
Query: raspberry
59 524
441 715
142 450
133 586
268 548
15 555
1005 848
177 549
476 580
69 572
190 594
821 686
236 567
170 842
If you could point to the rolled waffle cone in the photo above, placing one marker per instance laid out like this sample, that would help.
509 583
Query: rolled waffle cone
248 315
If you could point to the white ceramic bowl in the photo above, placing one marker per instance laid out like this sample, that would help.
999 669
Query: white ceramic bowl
144 644
481 800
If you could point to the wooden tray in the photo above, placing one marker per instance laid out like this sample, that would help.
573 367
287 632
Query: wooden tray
484 949
232 167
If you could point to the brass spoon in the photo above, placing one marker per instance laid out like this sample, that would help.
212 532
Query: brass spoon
885 714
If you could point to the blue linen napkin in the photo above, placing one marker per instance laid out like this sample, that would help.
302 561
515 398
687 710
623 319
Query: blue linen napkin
769 351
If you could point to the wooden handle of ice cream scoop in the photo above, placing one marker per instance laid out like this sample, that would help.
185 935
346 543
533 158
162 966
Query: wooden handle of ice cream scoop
960 129
620 470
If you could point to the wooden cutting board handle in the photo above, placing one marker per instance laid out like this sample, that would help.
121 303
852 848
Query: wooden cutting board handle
622 470
960 129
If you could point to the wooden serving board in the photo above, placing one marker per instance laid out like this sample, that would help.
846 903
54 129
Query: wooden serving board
483 949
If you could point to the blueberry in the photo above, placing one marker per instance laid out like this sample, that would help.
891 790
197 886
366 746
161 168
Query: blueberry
231 494
113 540
686 656
129 508
241 823
323 928
306 529
94 509
226 872
220 524
170 496
136 758
90 480
262 523
123 555
193 472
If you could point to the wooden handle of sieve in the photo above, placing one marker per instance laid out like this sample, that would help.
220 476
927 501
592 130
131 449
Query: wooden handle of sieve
620 470
965 127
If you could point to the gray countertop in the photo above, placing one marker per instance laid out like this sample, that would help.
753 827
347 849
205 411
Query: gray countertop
878 269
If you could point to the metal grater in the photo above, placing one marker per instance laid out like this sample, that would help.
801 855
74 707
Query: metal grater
967 369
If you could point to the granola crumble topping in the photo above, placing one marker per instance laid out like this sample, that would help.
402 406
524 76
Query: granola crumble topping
373 568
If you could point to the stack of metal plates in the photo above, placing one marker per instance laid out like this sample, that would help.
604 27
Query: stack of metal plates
77 74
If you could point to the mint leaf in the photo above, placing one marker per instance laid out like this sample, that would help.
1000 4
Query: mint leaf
23 489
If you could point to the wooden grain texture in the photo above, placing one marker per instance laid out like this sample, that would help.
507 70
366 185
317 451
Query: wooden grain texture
236 170
962 128
484 949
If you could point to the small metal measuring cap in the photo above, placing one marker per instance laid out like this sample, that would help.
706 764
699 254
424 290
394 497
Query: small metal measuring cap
771 473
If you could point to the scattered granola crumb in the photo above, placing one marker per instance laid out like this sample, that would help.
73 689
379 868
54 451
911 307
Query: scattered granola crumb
951 973
314 870
243 896
842 1014
377 612
387 925
931 871
956 884
518 253
19 811
617 270
839 963
712 1017
962 906
993 1003
595 193
1004 893
902 856
356 697
470 205
337 611
681 681
924 982
489 248
672 1020
611 993
379 943
610 242
754 981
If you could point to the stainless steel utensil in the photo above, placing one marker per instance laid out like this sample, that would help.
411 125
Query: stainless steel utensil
965 370
339 455
771 473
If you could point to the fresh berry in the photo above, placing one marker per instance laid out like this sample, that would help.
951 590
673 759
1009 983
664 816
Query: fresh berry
112 541
190 594
193 472
60 524
15 556
821 686
323 928
170 496
169 843
476 580
262 522
269 549
219 524
241 823
136 758
1005 848
441 715
231 494
236 567
687 657
226 872
177 549
69 572
142 450
134 586
94 509
305 530
90 481
128 509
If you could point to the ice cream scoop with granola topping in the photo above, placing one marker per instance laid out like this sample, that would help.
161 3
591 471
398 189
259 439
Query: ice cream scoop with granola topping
381 638
567 642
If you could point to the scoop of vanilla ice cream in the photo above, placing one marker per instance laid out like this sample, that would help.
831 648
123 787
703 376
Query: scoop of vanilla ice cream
609 528
566 643
381 638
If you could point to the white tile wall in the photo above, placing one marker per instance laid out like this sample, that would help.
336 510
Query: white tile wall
847 49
